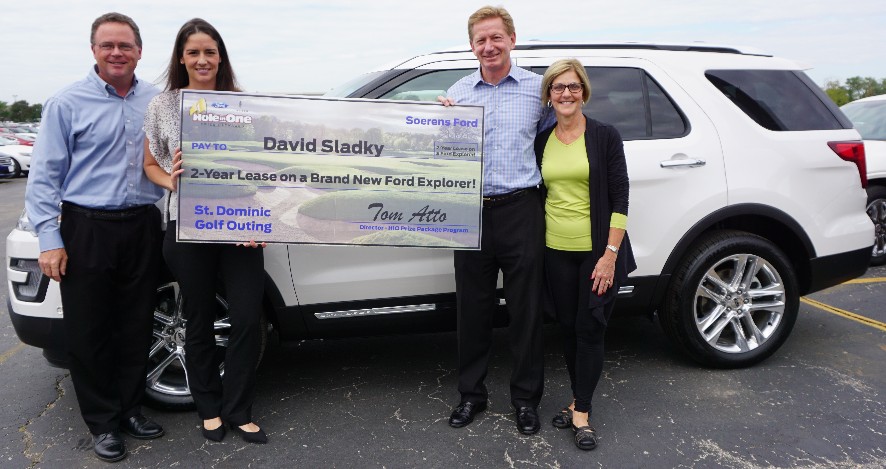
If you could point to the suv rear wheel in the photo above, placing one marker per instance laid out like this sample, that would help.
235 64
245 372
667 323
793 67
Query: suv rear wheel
167 383
732 301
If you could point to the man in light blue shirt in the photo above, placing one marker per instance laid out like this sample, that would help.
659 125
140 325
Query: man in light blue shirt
87 169
513 225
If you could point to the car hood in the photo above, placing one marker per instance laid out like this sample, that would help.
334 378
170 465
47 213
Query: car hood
19 149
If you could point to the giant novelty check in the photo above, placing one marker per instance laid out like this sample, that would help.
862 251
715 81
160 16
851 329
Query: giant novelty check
329 171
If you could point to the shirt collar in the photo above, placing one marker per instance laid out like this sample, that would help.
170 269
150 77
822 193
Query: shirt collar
477 77
105 86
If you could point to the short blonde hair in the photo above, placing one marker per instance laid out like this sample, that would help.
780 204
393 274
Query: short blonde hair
490 12
560 67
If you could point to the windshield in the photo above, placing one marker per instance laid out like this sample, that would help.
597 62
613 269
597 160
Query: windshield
869 118
345 90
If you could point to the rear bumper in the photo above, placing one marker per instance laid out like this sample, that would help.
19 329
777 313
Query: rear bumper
835 269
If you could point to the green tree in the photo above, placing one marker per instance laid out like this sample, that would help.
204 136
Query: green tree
837 92
859 87
854 88
36 112
19 111
4 111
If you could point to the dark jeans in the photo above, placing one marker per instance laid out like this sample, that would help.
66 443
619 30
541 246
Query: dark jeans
108 295
583 334
513 242
197 268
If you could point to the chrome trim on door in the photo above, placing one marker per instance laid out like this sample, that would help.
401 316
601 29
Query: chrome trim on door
357 313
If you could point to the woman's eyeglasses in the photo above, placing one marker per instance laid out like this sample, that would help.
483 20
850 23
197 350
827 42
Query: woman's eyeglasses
560 87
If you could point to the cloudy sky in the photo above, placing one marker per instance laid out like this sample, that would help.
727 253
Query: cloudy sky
312 46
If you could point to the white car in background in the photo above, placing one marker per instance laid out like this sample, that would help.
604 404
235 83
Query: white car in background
868 115
746 193
4 140
21 158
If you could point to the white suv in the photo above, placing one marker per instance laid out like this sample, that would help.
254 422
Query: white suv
746 192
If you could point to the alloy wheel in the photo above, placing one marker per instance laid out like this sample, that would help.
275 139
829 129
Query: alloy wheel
739 303
167 374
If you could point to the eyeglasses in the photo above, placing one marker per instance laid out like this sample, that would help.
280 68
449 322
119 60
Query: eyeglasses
573 87
109 46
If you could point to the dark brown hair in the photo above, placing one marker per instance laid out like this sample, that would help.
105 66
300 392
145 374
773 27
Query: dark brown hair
176 75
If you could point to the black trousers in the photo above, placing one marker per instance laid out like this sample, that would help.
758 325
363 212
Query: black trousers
197 268
108 295
513 242
583 334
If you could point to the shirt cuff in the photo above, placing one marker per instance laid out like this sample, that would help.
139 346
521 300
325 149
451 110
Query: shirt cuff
618 220
50 240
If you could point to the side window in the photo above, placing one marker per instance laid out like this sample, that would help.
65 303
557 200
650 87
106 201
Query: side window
427 86
617 99
777 100
667 121
632 102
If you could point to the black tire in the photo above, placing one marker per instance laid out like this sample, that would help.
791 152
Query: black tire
726 319
167 387
16 168
876 209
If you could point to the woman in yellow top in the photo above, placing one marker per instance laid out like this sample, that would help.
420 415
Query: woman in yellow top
587 253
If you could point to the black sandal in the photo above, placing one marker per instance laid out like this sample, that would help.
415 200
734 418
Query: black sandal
563 419
585 437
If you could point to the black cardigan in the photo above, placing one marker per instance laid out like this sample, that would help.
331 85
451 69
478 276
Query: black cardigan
609 187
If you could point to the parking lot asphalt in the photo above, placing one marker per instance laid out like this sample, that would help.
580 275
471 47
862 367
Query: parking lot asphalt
819 402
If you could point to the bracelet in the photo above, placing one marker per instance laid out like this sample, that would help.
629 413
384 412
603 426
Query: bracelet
612 248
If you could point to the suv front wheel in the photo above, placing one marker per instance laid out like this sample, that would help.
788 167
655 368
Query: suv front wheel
733 300
167 381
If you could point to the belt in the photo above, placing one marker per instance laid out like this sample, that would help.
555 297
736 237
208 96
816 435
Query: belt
101 214
502 199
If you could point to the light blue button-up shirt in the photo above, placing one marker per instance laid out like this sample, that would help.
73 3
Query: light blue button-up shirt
512 115
89 151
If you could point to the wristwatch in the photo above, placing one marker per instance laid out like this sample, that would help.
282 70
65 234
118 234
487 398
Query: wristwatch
612 248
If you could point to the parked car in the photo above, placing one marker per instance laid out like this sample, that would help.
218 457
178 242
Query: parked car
869 117
17 140
5 167
21 158
27 136
8 140
746 192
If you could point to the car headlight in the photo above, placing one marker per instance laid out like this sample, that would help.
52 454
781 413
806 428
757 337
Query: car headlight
25 225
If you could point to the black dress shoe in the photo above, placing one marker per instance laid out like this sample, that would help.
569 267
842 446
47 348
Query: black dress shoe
109 447
464 413
258 437
138 426
585 437
216 434
527 420
563 419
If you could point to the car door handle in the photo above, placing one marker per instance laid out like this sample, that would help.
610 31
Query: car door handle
682 162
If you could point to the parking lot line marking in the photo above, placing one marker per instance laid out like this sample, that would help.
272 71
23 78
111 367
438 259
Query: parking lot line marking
866 280
9 353
846 314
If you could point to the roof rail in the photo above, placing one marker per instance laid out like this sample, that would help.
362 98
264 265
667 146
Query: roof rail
678 47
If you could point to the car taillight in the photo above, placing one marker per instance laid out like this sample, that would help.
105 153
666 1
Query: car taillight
854 152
